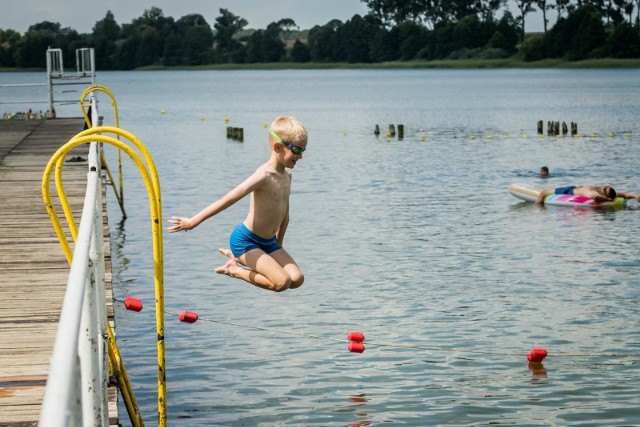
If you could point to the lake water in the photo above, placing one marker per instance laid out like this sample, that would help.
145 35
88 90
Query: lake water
416 243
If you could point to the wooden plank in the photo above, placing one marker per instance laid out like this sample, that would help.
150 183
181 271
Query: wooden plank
33 268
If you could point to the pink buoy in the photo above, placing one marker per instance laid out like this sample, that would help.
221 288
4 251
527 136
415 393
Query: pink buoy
188 316
356 347
355 336
132 304
537 355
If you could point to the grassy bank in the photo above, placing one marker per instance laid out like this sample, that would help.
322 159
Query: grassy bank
440 64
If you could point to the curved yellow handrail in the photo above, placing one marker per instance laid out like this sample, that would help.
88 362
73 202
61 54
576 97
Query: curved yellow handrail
145 153
63 199
152 183
100 88
119 191
60 187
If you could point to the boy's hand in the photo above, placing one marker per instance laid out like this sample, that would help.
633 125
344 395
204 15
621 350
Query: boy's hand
181 224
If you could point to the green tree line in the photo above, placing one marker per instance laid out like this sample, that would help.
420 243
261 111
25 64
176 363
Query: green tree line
392 30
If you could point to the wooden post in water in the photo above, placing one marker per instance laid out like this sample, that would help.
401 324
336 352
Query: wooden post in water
235 133
564 128
376 131
556 128
550 128
574 129
392 130
400 131
540 127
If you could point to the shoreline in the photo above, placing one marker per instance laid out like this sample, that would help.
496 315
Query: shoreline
511 63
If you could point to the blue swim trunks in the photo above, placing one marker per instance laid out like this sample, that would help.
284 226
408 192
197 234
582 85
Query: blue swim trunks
243 240
565 190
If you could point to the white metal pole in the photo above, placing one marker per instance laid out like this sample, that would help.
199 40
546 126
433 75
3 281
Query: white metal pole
58 395
49 81
97 255
88 350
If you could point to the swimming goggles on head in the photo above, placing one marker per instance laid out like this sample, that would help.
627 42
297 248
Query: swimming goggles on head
295 149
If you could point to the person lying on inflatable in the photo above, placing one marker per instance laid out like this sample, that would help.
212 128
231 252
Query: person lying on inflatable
599 194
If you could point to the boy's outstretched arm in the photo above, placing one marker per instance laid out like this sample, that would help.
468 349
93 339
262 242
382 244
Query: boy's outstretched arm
185 224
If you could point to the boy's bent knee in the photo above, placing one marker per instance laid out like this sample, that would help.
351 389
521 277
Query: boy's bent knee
297 281
281 284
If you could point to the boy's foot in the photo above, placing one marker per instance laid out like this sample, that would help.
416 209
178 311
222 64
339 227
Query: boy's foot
228 268
227 253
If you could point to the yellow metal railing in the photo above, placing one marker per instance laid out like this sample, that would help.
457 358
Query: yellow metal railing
118 190
150 176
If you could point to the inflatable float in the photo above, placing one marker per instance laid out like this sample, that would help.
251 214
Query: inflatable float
527 194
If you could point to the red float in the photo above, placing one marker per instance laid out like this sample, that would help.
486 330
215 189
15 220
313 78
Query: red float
356 347
355 336
537 355
188 317
132 304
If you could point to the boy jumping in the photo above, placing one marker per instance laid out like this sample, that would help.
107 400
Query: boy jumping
257 242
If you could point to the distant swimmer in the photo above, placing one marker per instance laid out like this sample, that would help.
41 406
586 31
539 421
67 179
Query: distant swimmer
599 194
257 242
544 171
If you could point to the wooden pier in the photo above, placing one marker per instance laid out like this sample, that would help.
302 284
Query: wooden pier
33 268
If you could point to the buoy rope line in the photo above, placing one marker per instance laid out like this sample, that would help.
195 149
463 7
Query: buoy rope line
424 134
436 134
357 337
483 134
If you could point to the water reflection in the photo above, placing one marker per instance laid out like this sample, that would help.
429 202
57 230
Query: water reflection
539 373
360 401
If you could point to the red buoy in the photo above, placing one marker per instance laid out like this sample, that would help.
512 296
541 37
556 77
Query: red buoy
188 316
133 304
356 347
355 336
537 355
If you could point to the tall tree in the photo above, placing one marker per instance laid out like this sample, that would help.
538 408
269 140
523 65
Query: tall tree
300 52
544 7
35 42
197 39
390 12
146 37
105 34
579 36
255 53
356 36
385 45
563 7
226 26
9 42
322 41
412 38
272 44
149 47
624 42
525 7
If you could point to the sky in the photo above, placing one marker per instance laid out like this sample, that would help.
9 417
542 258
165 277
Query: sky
81 15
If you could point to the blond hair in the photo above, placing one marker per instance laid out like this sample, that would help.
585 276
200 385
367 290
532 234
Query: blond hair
289 129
